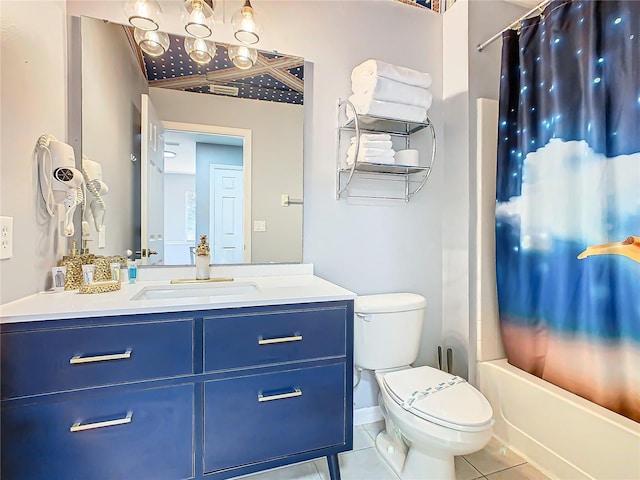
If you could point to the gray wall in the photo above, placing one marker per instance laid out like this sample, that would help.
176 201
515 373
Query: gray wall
33 102
468 75
112 84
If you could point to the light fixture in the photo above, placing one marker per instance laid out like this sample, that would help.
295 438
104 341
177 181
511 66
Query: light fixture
143 14
151 42
242 56
200 50
169 154
246 25
197 17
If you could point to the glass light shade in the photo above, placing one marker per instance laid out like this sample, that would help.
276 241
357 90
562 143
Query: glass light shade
143 14
247 27
197 17
200 50
242 56
151 42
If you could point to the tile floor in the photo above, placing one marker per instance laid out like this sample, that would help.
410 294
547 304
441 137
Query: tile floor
364 463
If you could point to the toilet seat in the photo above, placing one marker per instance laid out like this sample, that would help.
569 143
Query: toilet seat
440 398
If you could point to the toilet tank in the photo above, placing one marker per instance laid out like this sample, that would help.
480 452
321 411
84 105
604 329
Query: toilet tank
387 329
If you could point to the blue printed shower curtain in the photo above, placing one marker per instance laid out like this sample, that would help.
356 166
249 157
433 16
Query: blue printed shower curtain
568 200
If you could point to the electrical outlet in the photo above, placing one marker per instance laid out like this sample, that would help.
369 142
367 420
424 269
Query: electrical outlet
6 237
285 200
259 226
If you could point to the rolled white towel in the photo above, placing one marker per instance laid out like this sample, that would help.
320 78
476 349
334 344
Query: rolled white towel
387 90
396 111
378 68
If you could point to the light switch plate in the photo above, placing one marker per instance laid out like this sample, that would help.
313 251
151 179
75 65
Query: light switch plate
6 237
259 226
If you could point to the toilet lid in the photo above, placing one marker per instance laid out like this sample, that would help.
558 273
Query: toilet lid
439 397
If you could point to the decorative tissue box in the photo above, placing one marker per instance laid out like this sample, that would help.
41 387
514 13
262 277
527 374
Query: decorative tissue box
100 287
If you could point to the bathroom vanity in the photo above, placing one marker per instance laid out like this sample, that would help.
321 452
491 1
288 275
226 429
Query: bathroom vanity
195 387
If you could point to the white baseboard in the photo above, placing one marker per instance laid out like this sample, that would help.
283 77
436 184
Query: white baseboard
362 416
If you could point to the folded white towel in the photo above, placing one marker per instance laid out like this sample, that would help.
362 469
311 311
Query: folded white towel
386 144
394 72
372 137
371 152
387 90
378 108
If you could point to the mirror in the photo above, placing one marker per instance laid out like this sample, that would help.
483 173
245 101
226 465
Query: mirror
173 150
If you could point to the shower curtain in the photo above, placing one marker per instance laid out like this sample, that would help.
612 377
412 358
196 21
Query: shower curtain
568 200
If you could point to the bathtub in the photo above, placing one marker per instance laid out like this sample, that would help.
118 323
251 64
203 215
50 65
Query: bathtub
562 434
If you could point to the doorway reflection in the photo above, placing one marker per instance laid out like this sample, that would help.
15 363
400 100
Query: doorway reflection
204 194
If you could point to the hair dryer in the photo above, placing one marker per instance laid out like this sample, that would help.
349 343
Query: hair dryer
92 172
60 182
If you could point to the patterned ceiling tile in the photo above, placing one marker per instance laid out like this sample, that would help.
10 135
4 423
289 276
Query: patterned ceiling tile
275 77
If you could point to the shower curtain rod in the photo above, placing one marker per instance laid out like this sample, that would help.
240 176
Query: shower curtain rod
514 24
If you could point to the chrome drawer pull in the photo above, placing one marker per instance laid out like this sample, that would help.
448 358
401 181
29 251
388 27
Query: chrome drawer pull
269 341
296 393
78 360
78 427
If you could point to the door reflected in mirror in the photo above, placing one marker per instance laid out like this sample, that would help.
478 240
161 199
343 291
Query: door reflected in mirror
184 156
205 173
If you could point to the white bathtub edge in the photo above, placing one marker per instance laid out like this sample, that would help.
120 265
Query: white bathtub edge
584 440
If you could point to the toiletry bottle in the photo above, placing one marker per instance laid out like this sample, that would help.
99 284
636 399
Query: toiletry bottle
114 268
132 270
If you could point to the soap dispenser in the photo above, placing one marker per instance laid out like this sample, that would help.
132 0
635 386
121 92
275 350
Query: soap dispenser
73 264
73 251
203 259
86 257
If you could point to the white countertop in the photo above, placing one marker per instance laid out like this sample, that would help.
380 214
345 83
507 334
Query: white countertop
271 290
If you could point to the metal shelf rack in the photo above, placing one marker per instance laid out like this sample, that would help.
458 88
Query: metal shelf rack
414 177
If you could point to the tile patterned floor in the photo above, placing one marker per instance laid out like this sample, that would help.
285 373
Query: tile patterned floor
494 462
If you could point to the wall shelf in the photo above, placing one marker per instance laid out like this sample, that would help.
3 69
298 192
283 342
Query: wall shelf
352 124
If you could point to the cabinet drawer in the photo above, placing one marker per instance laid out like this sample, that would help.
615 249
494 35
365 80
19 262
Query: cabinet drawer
143 435
236 341
54 360
260 417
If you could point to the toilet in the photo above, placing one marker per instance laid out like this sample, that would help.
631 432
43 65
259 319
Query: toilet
430 415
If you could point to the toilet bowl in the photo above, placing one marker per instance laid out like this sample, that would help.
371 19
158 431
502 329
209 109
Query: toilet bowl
430 415
456 420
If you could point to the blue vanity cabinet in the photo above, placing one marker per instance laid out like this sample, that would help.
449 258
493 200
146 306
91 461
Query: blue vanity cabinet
253 339
262 417
58 359
203 395
139 434
278 387
98 398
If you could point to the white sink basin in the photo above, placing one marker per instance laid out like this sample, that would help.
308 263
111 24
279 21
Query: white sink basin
191 290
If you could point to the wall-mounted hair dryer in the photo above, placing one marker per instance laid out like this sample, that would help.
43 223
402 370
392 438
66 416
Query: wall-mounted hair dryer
60 182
